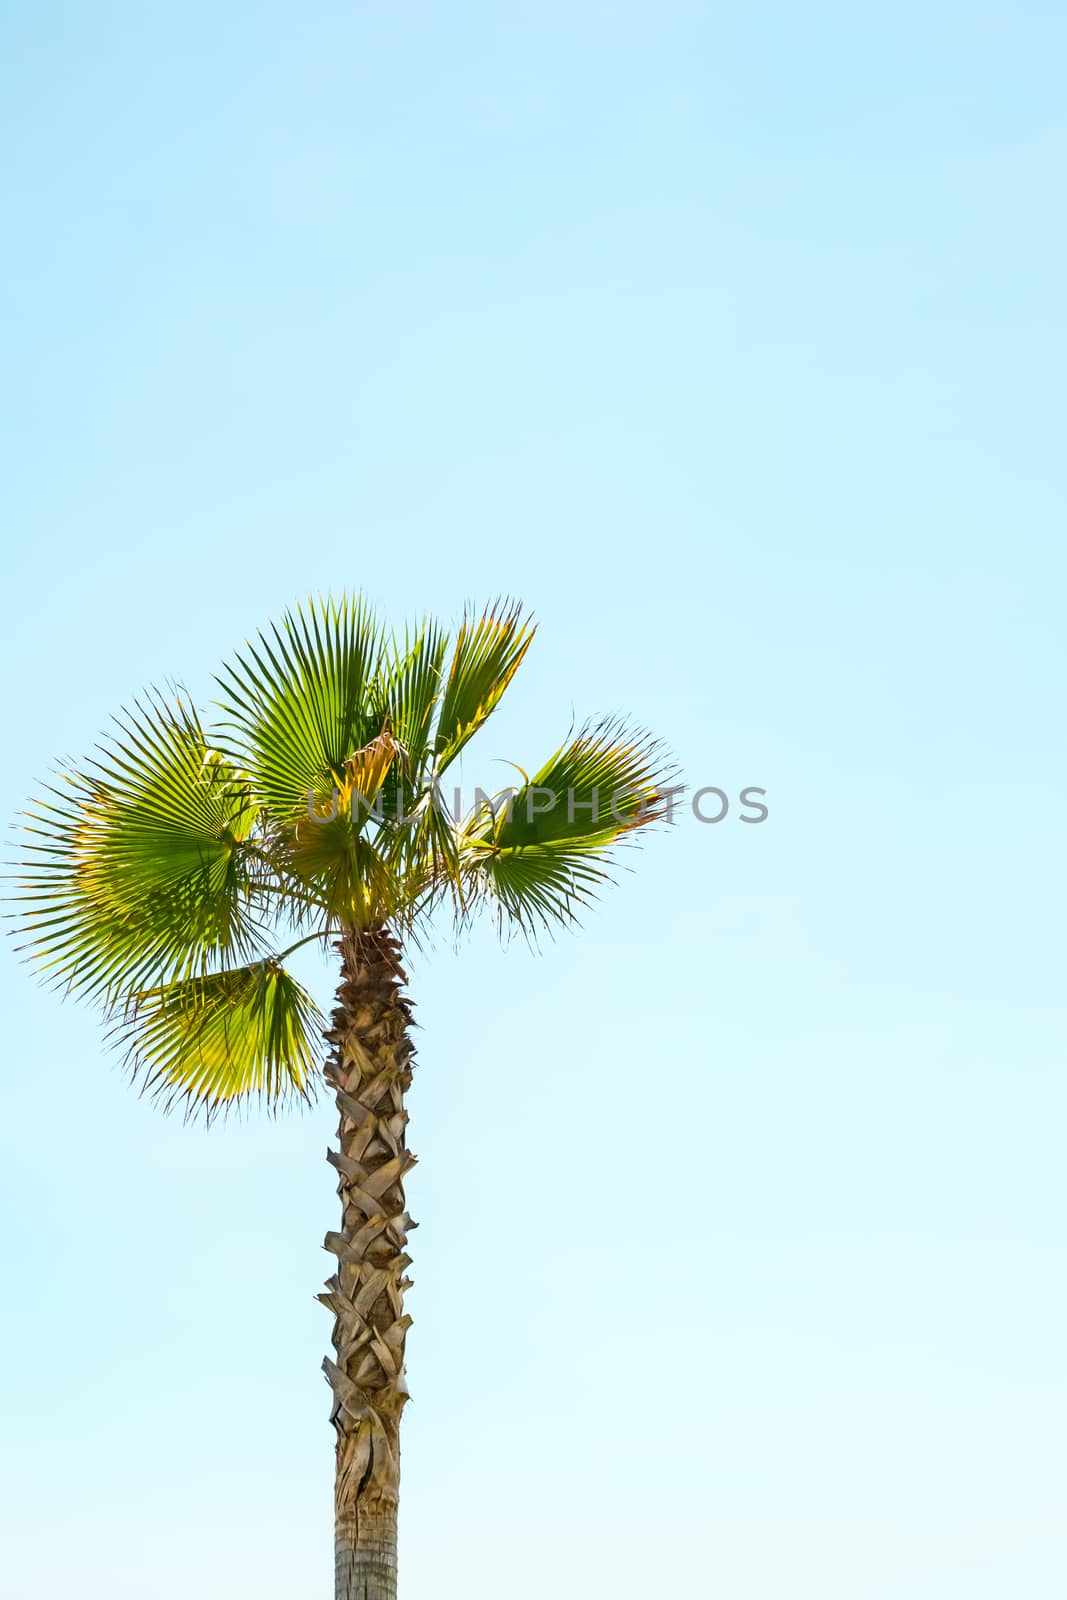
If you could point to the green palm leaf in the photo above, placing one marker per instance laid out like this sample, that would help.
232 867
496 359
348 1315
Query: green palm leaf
407 691
139 864
607 781
534 887
351 879
541 853
300 701
487 655
222 1037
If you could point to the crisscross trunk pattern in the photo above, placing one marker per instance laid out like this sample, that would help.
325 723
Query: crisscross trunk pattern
370 1071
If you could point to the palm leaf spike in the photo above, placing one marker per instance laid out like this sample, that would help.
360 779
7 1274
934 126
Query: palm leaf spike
171 877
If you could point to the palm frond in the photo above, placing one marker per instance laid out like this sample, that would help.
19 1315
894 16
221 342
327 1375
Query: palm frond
138 864
542 852
608 780
222 1037
488 653
533 888
367 769
299 700
407 690
424 852
345 872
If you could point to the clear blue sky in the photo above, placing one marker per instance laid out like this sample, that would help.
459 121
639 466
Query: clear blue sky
731 338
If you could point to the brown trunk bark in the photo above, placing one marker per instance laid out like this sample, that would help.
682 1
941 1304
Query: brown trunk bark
365 1553
370 1070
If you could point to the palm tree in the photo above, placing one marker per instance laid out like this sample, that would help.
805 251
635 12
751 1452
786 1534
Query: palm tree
170 878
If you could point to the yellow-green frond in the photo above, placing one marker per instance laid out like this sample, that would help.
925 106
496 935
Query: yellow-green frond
299 699
223 1037
488 653
407 691
139 864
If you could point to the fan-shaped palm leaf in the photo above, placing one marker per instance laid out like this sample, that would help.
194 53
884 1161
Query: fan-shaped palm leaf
488 653
138 863
224 1036
299 701
542 852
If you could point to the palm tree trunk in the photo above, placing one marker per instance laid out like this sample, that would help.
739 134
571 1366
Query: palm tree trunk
370 1069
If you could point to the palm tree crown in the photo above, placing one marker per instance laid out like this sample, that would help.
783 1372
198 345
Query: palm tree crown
170 876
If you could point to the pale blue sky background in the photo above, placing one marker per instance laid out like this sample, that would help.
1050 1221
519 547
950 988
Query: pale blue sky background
731 338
